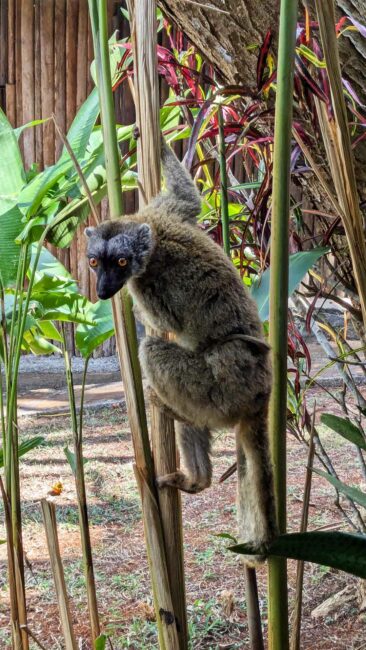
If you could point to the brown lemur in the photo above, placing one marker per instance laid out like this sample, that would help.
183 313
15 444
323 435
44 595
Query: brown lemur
217 372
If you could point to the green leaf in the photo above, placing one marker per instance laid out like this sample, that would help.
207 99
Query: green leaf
10 227
227 536
88 337
345 428
299 265
12 176
351 492
343 551
48 264
82 126
24 447
12 179
71 459
101 642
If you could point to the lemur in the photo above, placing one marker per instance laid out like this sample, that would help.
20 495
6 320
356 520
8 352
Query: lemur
216 373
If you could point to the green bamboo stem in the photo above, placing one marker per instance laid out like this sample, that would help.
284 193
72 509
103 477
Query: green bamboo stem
251 589
127 351
277 580
223 185
81 490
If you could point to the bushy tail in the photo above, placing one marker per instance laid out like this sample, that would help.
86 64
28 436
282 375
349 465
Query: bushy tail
256 503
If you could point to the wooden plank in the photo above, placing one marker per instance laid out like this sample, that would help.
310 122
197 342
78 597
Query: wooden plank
11 42
18 65
50 524
26 37
47 17
37 84
60 70
3 42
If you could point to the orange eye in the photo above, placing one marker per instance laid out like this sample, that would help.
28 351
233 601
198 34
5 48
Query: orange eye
122 261
93 262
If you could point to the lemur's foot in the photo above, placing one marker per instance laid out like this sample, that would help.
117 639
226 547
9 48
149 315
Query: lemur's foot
156 401
182 482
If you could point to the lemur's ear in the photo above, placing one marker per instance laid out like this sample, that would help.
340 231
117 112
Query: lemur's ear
89 231
143 238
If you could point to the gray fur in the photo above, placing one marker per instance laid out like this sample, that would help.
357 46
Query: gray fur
182 282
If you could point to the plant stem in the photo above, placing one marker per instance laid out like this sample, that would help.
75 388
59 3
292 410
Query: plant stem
277 579
223 185
127 351
81 490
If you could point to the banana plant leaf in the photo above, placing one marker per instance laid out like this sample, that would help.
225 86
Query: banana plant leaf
87 337
343 551
12 179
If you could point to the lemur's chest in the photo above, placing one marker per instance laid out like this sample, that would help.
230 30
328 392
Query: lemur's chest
156 302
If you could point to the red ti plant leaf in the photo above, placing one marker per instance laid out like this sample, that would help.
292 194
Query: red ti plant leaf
308 80
262 59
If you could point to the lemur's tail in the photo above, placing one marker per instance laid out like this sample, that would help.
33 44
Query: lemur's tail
256 504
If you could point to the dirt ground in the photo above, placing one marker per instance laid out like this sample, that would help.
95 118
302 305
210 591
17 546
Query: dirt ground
214 577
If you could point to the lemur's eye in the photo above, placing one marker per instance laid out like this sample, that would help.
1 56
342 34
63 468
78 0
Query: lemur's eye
122 261
93 262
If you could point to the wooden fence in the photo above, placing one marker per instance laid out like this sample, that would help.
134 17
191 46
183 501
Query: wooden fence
45 54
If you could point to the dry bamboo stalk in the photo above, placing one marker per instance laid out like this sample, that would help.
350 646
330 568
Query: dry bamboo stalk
27 63
337 142
49 518
296 626
148 155
47 78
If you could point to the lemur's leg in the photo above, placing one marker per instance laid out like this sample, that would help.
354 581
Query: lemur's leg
156 401
194 446
181 379
180 189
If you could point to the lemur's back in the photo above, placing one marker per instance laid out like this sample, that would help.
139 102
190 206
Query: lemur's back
184 259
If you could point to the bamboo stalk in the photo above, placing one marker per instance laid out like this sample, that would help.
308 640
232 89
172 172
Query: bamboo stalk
50 524
251 588
146 97
81 491
337 142
127 350
277 568
296 626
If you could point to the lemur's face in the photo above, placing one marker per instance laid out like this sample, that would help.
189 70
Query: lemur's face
117 253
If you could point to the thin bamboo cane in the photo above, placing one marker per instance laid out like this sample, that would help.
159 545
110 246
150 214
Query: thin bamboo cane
296 626
81 490
146 96
251 589
277 569
49 518
127 350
